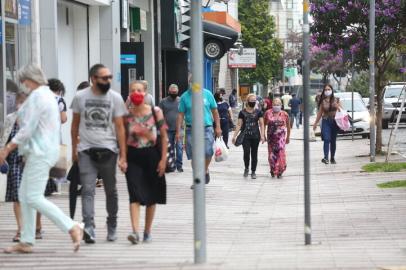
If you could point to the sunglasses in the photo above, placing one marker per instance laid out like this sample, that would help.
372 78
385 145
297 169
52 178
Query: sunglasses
105 78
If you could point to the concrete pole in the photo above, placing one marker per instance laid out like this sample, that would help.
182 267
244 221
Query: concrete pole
198 159
306 123
372 137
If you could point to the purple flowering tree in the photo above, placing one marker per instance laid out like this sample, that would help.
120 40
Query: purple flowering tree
342 25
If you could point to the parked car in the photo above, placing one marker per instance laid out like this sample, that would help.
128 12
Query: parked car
361 114
392 100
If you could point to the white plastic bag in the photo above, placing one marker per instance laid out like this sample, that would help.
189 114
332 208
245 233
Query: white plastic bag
3 187
220 150
312 136
342 120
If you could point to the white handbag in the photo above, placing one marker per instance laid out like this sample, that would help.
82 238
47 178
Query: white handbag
3 187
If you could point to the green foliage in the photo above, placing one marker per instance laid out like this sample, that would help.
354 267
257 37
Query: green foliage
393 184
258 31
385 167
360 84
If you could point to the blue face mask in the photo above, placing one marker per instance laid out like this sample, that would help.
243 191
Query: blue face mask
276 108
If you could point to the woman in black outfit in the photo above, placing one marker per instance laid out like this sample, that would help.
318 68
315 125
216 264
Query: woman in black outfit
251 122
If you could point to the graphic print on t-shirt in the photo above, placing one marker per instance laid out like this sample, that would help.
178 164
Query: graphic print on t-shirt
97 114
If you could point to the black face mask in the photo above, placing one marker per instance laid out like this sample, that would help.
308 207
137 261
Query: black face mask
104 87
173 95
251 104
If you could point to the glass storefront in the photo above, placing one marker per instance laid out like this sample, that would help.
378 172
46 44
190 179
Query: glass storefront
16 49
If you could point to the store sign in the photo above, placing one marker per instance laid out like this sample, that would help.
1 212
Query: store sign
248 59
143 20
128 59
24 12
11 10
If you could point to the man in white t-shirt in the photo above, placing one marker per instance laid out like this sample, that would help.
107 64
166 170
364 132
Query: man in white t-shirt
286 99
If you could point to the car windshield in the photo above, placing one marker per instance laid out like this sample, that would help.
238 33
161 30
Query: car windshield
394 92
359 105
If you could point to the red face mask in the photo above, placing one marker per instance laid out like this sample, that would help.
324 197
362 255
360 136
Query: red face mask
137 98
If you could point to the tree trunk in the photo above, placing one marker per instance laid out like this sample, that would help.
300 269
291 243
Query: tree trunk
379 111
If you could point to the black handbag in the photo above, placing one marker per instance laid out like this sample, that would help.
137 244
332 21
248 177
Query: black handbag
170 156
240 138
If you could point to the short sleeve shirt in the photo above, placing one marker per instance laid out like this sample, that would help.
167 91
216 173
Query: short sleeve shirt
223 107
142 131
250 123
185 106
97 114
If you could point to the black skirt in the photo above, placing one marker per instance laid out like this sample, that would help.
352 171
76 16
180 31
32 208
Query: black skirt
143 183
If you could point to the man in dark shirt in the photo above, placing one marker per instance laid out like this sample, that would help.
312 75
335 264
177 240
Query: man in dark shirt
169 106
294 105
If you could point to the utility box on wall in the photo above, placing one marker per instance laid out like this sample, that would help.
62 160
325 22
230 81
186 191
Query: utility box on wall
132 65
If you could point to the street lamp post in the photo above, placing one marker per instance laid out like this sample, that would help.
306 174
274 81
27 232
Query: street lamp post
306 88
198 162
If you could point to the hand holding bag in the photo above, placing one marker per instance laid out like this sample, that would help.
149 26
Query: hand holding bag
220 151
342 120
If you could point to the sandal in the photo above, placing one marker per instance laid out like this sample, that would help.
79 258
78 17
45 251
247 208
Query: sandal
19 248
38 234
17 237
76 233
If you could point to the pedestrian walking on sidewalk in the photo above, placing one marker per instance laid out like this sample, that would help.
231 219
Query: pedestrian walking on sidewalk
277 126
210 115
285 102
98 121
38 142
15 162
146 157
170 109
225 114
327 108
294 105
251 122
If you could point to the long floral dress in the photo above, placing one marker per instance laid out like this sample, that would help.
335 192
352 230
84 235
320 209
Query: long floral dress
277 129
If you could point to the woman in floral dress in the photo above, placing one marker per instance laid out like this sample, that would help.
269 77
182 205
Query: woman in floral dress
278 134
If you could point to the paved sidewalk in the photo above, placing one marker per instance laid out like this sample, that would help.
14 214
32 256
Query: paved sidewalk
251 224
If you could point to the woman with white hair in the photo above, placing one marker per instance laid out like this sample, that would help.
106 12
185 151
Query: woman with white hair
38 141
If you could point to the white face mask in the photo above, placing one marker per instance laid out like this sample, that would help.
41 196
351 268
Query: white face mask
25 89
276 108
328 93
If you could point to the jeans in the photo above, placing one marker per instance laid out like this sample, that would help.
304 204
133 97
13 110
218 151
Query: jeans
225 129
250 146
177 148
295 116
88 173
329 132
31 196
208 142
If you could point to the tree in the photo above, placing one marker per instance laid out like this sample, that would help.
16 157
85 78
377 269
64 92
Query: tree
344 25
258 31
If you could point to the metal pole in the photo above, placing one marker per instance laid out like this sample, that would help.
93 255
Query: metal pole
198 162
352 96
306 124
392 138
372 137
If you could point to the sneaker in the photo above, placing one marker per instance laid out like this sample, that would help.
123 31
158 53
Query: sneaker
111 234
325 161
89 236
147 238
246 173
253 175
207 178
333 161
134 238
180 170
